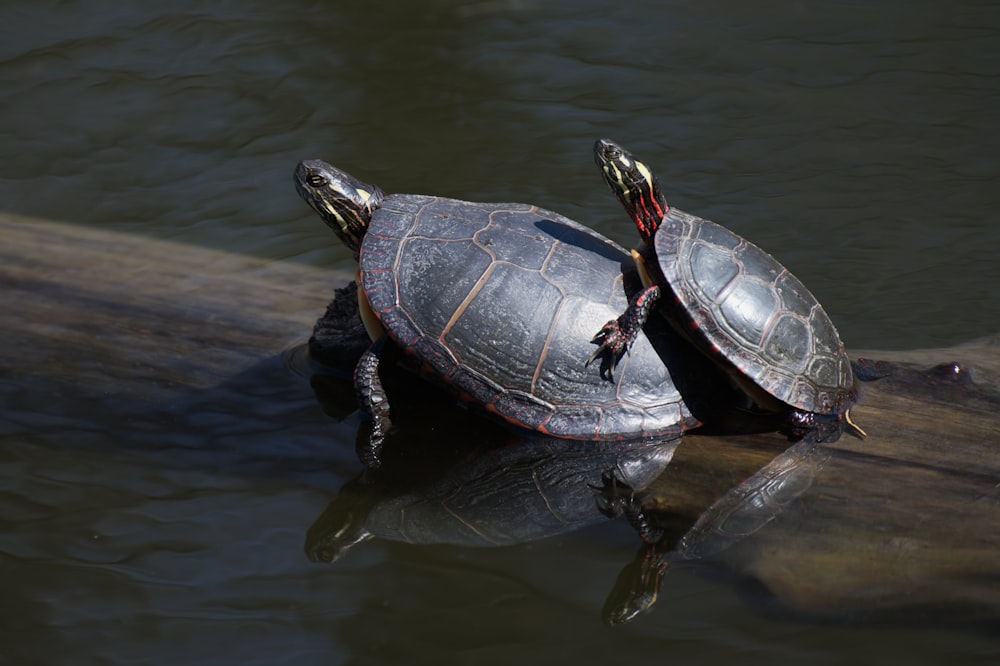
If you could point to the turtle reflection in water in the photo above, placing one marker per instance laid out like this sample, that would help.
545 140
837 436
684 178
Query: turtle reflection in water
483 496
738 514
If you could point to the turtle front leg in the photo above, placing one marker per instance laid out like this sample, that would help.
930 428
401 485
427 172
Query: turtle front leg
616 337
373 402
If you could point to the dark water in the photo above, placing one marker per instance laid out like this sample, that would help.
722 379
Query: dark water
855 141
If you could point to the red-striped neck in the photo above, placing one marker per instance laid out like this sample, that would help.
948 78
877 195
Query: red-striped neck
647 207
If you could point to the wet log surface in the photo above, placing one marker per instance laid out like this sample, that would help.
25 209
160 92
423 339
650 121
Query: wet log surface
108 333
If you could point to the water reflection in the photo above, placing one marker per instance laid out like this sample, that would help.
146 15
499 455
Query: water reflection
738 514
518 492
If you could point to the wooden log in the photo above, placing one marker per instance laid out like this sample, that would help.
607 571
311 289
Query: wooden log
104 328
128 314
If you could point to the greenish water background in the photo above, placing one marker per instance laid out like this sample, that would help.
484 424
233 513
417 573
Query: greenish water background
856 142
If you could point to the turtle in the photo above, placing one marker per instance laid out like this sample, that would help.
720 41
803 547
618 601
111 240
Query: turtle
734 302
493 301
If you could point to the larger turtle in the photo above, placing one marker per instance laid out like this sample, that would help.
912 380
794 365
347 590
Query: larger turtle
493 301
735 302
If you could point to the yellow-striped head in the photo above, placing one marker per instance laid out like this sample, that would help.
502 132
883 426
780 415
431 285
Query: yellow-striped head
634 184
345 203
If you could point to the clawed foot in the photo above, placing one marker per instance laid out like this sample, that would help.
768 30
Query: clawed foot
615 338
612 345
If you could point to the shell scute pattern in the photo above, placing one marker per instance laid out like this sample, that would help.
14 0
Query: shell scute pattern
511 242
756 313
497 302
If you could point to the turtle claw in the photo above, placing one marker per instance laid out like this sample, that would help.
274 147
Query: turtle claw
612 345
615 338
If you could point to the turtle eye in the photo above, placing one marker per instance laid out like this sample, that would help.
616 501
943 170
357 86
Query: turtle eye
316 180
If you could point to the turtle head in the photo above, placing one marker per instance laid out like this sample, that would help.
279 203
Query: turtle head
344 202
634 184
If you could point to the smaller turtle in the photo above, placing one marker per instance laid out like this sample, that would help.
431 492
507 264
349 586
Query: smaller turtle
493 302
734 302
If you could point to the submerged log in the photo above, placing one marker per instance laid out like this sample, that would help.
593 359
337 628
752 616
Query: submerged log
102 327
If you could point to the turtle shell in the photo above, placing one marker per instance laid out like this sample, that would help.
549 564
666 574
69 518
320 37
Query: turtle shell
745 306
498 303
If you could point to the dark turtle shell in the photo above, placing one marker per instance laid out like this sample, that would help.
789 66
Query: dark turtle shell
747 307
498 302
